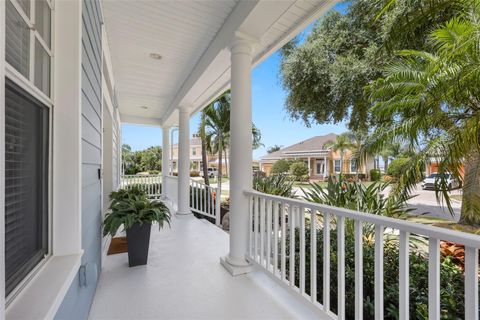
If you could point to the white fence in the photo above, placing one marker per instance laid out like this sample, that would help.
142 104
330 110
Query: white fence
151 184
274 220
205 200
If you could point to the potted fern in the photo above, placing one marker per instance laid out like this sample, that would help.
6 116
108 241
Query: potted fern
132 209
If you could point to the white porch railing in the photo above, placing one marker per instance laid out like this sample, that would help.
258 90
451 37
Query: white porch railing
151 183
172 189
205 200
273 219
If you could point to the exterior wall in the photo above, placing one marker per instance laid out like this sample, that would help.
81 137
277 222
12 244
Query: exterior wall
76 304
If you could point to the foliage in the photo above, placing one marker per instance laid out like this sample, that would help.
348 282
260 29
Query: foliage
277 185
357 196
451 277
397 167
299 170
281 166
274 148
375 175
134 162
129 207
430 99
324 76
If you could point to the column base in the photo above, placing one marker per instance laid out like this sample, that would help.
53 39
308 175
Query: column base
236 269
183 213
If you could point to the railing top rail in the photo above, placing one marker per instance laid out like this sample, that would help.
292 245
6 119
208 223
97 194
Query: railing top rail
200 183
172 177
464 238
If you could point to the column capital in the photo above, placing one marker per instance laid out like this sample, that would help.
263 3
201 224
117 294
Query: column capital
242 43
184 108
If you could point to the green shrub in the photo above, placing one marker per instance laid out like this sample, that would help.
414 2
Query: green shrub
451 278
153 171
397 167
278 185
375 175
280 167
357 196
151 189
299 170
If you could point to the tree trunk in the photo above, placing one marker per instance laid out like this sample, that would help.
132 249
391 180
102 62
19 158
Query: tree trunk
219 175
226 163
385 165
204 151
470 212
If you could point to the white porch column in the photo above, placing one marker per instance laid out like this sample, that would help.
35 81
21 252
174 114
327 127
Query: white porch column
165 159
184 161
240 155
309 169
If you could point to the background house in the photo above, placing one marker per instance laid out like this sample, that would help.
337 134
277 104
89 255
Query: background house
321 160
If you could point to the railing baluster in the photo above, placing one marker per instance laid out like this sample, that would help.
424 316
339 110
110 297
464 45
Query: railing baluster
433 278
313 255
326 262
250 226
358 270
341 267
283 255
291 219
471 283
275 237
302 249
204 209
257 228
209 199
379 272
403 277
269 233
262 230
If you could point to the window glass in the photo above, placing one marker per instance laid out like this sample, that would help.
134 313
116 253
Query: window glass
26 184
337 165
353 166
17 40
42 68
43 20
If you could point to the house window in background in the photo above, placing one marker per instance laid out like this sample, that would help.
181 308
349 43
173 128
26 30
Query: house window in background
28 106
353 165
337 165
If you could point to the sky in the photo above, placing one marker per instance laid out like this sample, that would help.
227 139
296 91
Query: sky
268 112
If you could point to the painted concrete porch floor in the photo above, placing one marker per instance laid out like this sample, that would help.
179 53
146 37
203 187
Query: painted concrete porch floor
184 280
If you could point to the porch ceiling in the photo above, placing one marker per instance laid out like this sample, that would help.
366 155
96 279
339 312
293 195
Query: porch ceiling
192 37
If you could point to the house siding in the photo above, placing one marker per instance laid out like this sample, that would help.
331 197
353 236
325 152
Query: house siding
77 302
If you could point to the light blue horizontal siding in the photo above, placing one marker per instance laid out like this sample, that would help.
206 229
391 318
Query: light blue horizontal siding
76 304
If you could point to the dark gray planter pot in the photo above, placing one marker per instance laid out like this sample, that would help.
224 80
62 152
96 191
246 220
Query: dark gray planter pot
138 239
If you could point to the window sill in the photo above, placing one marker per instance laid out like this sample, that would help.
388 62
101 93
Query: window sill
42 296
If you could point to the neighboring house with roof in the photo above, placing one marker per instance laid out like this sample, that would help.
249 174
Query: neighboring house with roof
321 160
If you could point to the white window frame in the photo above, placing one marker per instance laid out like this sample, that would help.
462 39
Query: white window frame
28 85
335 165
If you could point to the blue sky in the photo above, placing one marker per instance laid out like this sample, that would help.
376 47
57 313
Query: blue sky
269 113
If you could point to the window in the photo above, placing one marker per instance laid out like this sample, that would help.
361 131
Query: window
194 151
353 165
26 184
337 165
28 36
28 40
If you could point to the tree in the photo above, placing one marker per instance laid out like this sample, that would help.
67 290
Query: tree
431 100
325 75
341 144
201 131
299 170
281 166
217 129
274 148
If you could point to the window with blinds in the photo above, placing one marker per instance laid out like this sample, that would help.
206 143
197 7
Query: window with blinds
26 183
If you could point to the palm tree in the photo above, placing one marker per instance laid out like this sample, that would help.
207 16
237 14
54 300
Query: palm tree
274 148
201 131
217 129
357 139
341 144
431 100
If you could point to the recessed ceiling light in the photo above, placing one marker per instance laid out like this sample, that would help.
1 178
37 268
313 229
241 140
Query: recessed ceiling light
144 107
155 56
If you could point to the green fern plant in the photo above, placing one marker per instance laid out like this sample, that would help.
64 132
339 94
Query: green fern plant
132 206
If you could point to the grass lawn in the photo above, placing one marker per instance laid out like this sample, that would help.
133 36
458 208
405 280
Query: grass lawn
444 224
322 184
